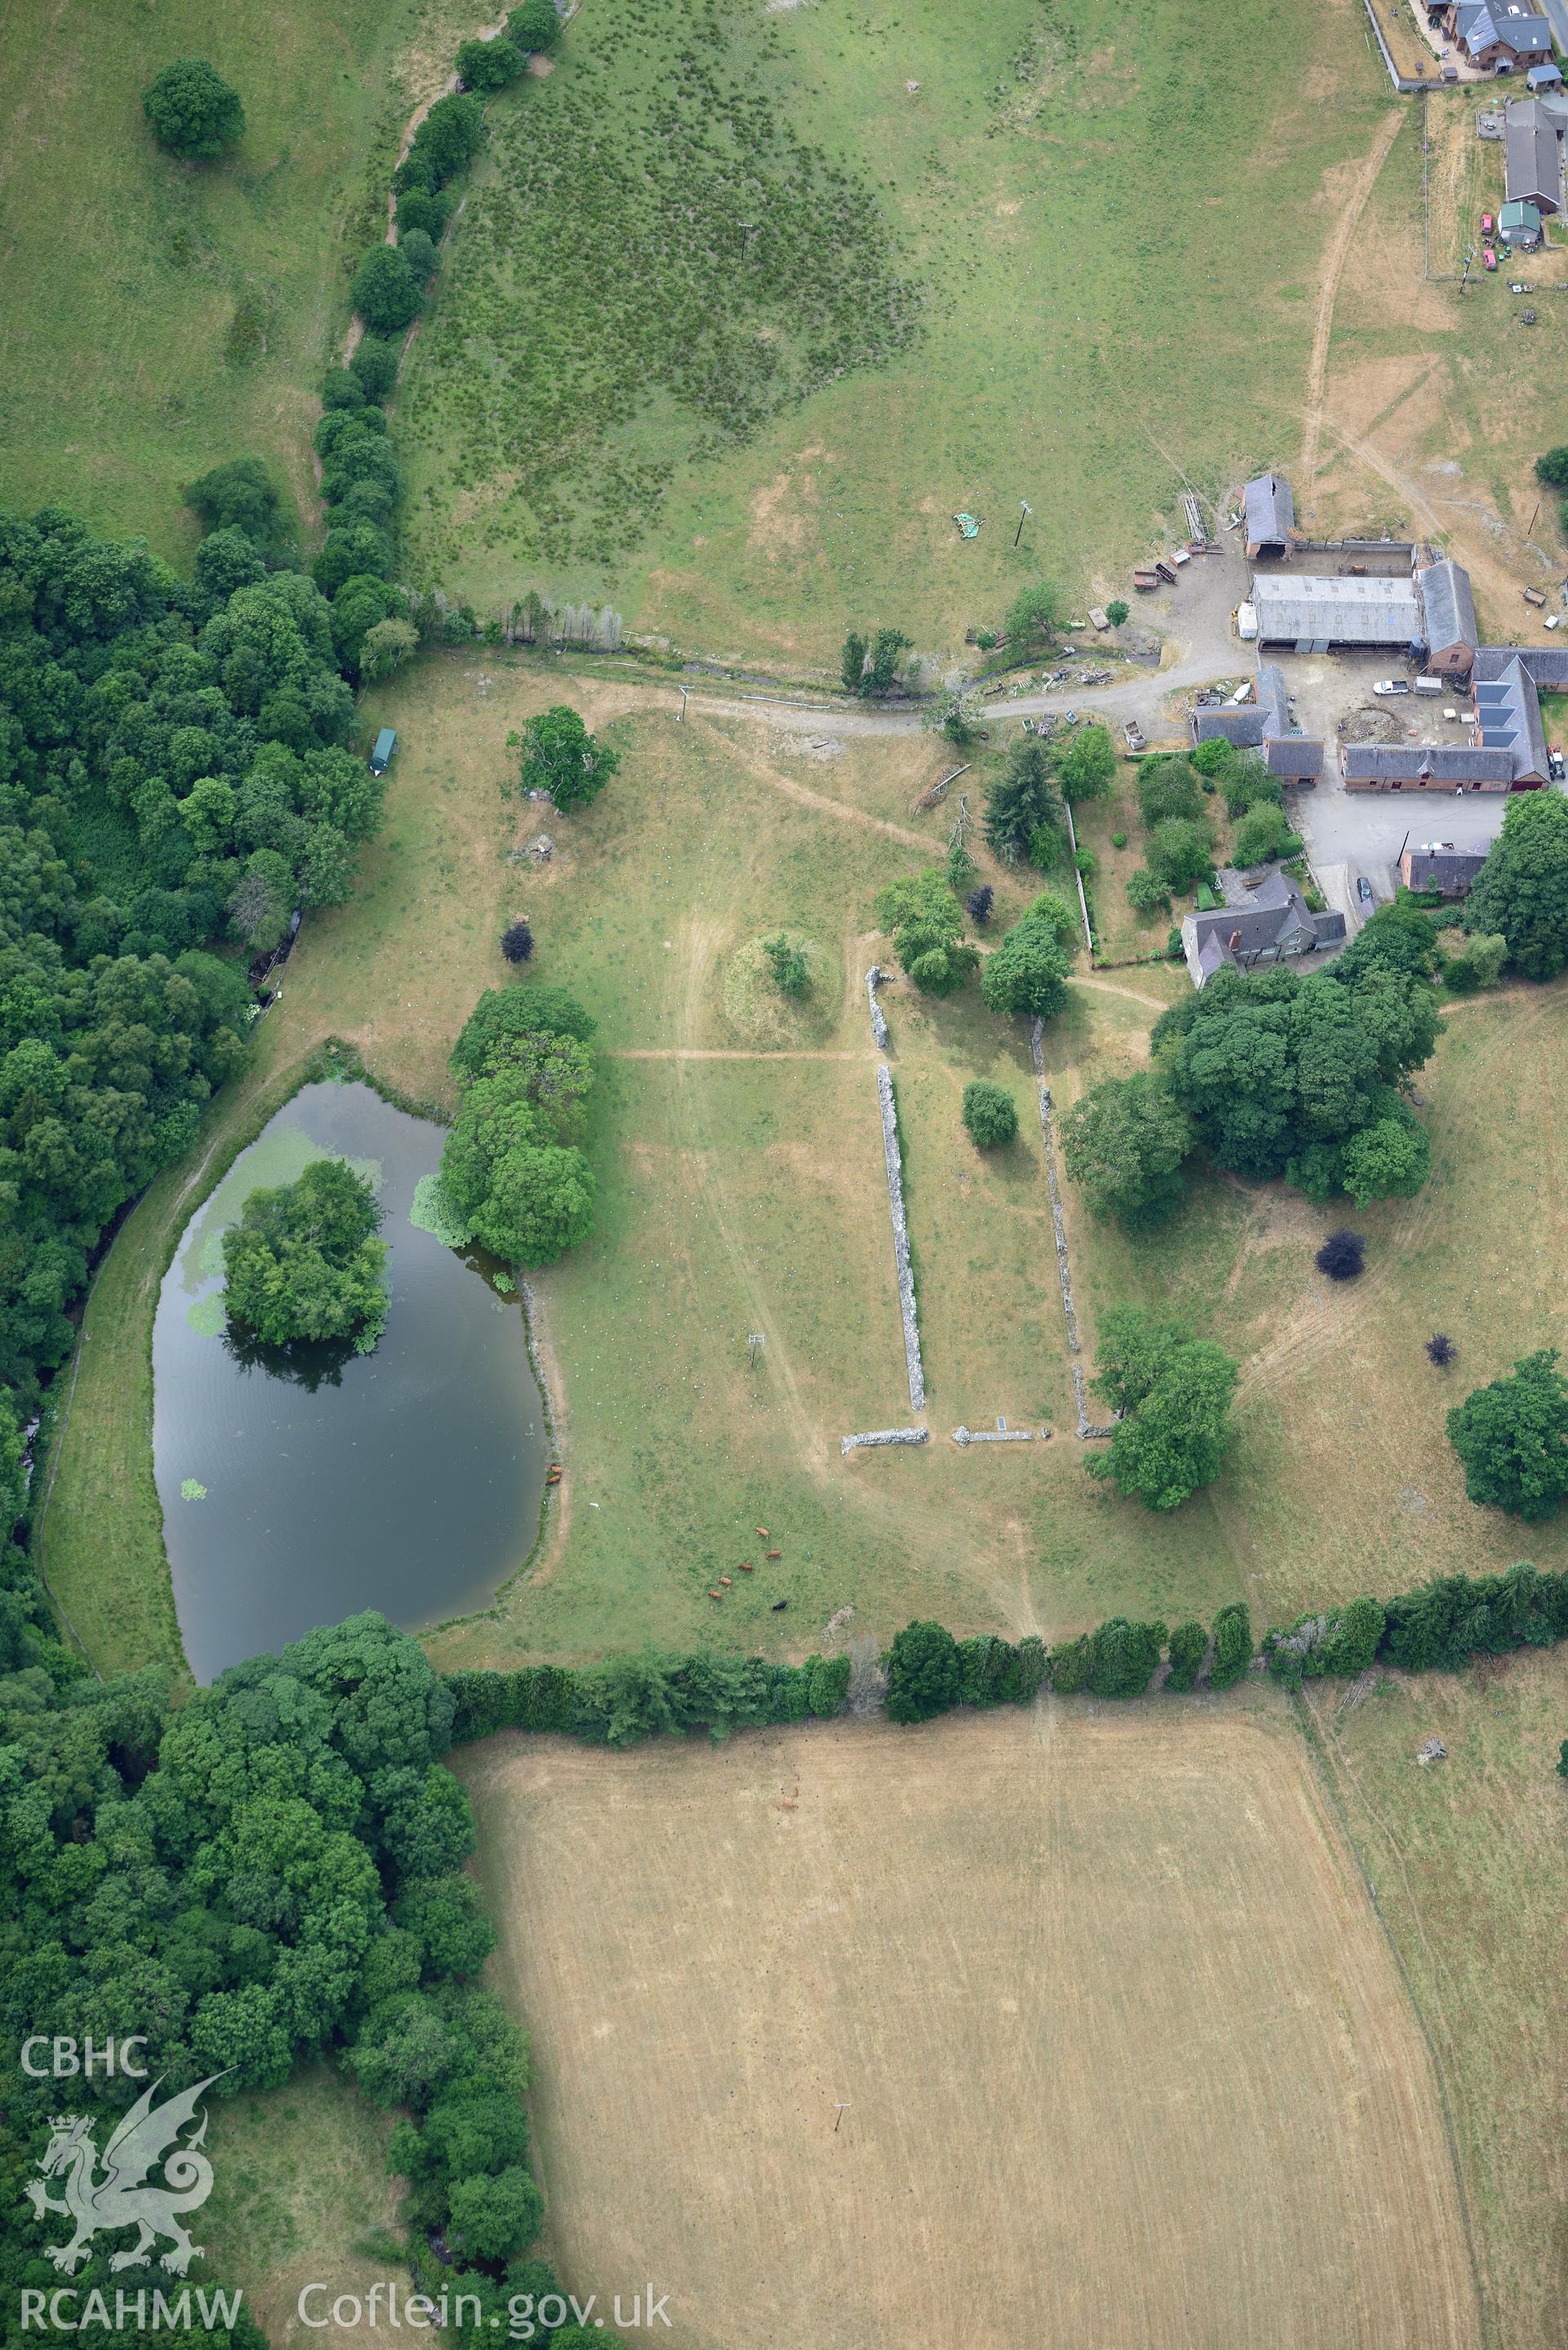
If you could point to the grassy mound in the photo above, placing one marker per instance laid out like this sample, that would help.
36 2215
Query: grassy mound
756 1011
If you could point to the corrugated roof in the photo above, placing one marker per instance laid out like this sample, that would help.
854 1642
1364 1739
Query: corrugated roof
1341 611
1532 155
1448 605
1271 511
1443 762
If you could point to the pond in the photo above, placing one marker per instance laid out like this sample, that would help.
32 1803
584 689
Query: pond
299 1489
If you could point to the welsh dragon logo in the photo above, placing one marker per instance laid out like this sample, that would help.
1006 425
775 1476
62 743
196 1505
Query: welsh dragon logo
118 2198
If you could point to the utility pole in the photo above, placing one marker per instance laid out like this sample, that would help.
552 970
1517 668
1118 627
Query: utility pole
843 2109
1022 518
681 712
1534 518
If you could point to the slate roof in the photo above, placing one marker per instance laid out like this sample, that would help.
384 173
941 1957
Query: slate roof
1451 870
1251 923
1253 723
1341 611
1532 155
1479 23
1544 665
1294 754
1448 605
1507 712
1244 728
1329 926
1271 511
1544 76
1443 762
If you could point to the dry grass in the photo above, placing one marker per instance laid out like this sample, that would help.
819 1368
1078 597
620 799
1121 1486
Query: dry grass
1467 1855
1124 2053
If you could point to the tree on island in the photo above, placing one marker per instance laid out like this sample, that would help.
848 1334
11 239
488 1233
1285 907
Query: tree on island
304 1262
193 110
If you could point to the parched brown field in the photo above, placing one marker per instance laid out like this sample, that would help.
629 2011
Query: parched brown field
1123 2054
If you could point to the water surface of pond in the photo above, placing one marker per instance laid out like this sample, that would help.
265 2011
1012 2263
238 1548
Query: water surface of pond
298 1493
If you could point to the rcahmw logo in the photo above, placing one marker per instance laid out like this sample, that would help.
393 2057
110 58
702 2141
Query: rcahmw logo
121 2189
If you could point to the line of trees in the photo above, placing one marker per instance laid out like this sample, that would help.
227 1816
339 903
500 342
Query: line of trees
512 1176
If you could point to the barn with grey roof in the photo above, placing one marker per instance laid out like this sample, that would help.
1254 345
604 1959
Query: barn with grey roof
1532 155
1270 512
1317 614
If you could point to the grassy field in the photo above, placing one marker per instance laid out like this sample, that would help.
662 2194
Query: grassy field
1121 2051
158 317
1466 1856
742 1190
1080 338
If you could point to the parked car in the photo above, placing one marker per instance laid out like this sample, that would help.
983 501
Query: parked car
1488 224
1489 258
1555 761
1386 685
1364 888
1431 848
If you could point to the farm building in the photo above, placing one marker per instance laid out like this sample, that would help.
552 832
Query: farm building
1426 767
1451 634
1519 227
1317 614
1295 759
1451 870
1508 719
1496 34
1250 725
1270 512
1264 924
1546 666
1532 155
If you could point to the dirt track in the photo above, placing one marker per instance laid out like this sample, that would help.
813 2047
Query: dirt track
1125 2057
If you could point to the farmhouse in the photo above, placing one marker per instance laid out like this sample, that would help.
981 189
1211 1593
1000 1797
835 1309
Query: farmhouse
1266 922
1270 512
1496 34
1532 155
1451 870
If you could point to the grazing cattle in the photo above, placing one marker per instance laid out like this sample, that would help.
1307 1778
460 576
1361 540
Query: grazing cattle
775 1553
778 1603
763 1532
715 1594
725 1581
746 1567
